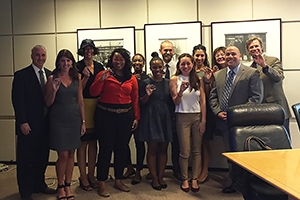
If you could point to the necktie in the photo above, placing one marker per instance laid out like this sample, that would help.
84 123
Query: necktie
167 71
43 86
42 81
254 65
226 91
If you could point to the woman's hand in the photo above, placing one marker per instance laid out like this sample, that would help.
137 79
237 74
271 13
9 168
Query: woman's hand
208 73
134 125
83 129
201 127
86 72
150 88
55 84
215 68
184 85
106 74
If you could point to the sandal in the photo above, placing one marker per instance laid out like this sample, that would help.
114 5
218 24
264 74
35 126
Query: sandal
71 197
93 184
60 187
84 187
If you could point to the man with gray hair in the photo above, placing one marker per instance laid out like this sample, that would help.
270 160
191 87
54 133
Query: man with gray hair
28 90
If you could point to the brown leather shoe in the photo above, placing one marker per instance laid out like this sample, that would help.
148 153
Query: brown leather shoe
122 187
104 193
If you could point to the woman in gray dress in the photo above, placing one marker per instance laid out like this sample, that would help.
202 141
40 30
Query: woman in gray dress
67 122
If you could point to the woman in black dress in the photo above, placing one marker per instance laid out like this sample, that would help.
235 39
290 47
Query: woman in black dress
156 120
67 122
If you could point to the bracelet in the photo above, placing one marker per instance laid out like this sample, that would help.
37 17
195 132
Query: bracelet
83 121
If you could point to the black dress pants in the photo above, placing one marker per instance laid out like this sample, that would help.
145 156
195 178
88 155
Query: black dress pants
32 161
114 131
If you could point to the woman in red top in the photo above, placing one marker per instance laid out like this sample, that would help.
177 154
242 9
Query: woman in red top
117 114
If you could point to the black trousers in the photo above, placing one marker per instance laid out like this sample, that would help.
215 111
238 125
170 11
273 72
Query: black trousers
140 154
32 161
114 131
175 153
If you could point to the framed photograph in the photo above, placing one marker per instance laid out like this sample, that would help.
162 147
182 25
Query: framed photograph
237 32
184 37
107 39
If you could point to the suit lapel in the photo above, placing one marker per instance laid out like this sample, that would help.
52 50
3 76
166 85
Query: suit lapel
237 78
36 80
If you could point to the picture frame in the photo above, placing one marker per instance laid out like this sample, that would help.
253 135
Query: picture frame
183 35
107 39
237 32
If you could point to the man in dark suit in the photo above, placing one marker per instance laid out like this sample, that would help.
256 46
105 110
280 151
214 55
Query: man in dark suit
234 85
31 125
167 52
271 74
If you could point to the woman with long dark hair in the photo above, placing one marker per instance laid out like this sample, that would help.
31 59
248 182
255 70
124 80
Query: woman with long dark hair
67 122
188 95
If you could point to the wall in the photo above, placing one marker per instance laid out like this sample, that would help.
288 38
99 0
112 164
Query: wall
53 23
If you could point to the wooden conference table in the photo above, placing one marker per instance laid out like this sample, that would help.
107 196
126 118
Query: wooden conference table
280 168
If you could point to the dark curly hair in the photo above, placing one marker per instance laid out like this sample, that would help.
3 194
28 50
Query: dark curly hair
128 64
73 72
193 78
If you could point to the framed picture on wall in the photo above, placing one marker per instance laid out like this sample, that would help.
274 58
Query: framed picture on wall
237 32
107 39
184 37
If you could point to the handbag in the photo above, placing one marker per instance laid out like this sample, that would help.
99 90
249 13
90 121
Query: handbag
261 144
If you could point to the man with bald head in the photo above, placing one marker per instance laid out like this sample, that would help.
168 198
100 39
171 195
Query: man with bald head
234 85
31 125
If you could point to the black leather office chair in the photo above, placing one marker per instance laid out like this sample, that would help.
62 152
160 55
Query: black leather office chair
266 122
296 109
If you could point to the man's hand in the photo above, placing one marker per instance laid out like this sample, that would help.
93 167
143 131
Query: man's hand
222 115
25 128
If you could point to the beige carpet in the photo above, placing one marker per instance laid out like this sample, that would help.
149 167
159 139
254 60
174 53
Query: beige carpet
210 190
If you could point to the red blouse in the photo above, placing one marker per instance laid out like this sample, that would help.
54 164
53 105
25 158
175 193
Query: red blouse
113 92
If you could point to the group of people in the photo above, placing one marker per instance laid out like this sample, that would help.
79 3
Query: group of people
181 102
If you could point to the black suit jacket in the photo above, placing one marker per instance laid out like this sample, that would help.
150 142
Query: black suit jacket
28 100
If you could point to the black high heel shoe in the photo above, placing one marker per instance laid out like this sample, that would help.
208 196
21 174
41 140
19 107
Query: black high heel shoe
71 197
84 187
58 188
93 184
155 187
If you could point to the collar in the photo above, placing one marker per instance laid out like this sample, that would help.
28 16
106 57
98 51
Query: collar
36 69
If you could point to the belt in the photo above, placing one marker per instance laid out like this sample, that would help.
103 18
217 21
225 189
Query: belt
118 111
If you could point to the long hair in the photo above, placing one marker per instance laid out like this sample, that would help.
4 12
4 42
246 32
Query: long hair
193 78
73 72
128 64
203 48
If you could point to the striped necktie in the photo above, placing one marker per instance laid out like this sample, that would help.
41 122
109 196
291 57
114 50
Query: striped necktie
226 91
42 81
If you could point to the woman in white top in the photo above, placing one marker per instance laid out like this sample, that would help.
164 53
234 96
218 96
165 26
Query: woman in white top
188 94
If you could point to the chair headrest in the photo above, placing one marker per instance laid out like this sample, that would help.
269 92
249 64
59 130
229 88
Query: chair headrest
255 114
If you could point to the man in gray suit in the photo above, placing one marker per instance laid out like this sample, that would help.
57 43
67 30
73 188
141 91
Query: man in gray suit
271 74
245 87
